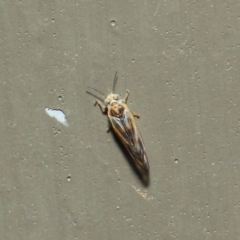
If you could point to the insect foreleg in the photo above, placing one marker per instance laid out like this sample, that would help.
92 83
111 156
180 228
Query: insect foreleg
126 96
102 107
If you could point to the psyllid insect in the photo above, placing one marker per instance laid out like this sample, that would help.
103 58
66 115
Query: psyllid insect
124 125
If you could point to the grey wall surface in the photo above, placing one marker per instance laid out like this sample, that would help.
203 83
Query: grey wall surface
180 61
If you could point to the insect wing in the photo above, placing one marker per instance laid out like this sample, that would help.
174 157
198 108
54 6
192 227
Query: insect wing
126 129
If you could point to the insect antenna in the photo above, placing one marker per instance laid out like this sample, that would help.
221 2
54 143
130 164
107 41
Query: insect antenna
96 90
94 94
114 82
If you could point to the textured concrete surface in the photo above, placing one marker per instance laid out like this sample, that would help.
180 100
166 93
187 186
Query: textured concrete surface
180 61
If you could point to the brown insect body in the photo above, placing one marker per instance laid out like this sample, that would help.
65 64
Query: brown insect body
124 125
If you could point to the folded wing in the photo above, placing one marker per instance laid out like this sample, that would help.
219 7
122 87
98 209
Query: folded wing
126 129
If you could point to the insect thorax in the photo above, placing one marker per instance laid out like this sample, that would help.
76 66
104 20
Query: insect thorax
111 97
116 108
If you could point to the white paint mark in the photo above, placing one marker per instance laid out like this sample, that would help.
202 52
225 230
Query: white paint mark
58 115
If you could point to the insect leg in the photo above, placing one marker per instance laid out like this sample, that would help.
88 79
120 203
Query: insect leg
108 130
102 107
126 97
136 115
